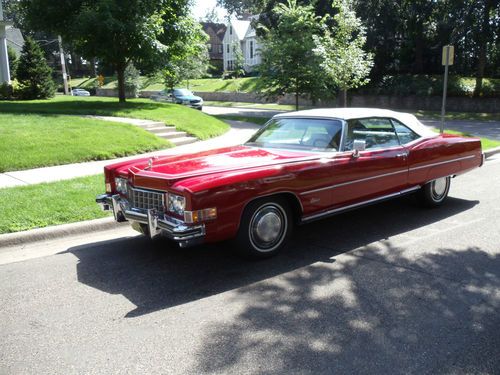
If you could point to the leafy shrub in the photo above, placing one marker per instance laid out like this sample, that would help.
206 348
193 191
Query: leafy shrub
9 92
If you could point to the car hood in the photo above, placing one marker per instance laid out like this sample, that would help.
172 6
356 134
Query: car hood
166 171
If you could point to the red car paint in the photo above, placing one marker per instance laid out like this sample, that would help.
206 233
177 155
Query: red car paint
314 182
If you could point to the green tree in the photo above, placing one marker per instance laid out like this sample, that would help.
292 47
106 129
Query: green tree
238 60
13 61
344 61
132 82
116 32
188 58
289 64
33 73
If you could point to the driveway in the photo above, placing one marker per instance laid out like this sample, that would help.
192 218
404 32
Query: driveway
388 289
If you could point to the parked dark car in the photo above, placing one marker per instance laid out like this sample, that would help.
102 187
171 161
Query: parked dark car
179 96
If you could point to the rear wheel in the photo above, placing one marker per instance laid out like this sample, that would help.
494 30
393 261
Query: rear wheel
434 193
265 226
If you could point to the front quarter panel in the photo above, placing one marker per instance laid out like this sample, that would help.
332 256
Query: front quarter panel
231 192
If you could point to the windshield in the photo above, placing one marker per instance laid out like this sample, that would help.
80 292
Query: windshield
182 92
299 133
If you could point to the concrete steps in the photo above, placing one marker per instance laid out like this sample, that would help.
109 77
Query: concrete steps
169 133
161 129
183 140
157 128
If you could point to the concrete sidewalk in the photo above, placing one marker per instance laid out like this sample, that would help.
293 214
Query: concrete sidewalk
239 133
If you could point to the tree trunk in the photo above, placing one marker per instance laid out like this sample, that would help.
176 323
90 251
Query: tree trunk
343 98
296 101
483 44
419 50
93 70
120 72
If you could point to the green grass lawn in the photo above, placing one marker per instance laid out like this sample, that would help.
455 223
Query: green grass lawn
246 84
30 141
183 118
41 205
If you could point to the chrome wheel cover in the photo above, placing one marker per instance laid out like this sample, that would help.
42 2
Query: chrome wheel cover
268 227
439 188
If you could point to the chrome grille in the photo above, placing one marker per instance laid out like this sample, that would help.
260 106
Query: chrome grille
146 199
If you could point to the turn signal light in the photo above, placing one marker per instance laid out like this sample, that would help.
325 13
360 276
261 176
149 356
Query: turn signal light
108 187
192 217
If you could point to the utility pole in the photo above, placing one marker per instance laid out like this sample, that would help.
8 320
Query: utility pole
63 66
4 57
447 60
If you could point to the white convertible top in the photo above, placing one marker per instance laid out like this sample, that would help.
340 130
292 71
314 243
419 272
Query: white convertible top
355 113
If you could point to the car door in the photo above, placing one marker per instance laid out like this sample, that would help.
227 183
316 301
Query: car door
380 170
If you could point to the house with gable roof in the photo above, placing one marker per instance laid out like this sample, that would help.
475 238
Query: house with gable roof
241 34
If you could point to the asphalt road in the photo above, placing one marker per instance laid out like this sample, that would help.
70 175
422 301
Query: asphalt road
387 289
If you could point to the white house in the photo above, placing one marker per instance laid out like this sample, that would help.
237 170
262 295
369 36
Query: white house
240 34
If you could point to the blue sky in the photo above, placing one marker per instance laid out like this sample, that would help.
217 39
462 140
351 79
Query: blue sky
200 8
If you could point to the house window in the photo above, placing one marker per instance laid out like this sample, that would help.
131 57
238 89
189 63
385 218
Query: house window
220 48
227 48
209 47
230 30
251 49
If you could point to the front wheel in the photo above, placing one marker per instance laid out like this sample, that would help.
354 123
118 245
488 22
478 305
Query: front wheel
434 193
265 226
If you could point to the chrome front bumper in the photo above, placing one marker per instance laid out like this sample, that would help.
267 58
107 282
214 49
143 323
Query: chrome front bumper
157 223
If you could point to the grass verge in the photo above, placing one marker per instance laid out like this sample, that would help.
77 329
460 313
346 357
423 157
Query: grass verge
183 118
41 205
31 141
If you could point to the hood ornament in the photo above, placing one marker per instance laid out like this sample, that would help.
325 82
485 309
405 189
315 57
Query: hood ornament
150 164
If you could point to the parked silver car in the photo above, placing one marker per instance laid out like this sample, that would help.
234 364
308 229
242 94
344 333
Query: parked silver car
80 92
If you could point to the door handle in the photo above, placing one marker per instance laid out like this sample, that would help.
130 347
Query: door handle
402 155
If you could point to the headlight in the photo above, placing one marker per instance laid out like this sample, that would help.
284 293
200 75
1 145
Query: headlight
121 185
176 204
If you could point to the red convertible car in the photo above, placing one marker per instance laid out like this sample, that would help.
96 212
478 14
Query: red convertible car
299 167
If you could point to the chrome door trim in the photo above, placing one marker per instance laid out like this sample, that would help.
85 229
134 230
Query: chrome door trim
442 162
354 182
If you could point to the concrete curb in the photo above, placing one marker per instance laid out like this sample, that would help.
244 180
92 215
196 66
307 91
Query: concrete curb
491 152
58 231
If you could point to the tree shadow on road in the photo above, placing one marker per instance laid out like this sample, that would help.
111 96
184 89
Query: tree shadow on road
155 276
357 316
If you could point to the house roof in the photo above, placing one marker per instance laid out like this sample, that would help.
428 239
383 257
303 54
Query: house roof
240 28
355 113
219 29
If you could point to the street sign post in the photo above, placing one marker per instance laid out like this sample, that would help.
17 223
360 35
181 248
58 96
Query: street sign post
447 60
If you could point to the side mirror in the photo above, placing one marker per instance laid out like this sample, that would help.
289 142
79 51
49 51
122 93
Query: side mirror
358 146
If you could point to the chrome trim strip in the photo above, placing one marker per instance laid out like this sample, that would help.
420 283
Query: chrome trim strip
442 162
355 205
353 182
